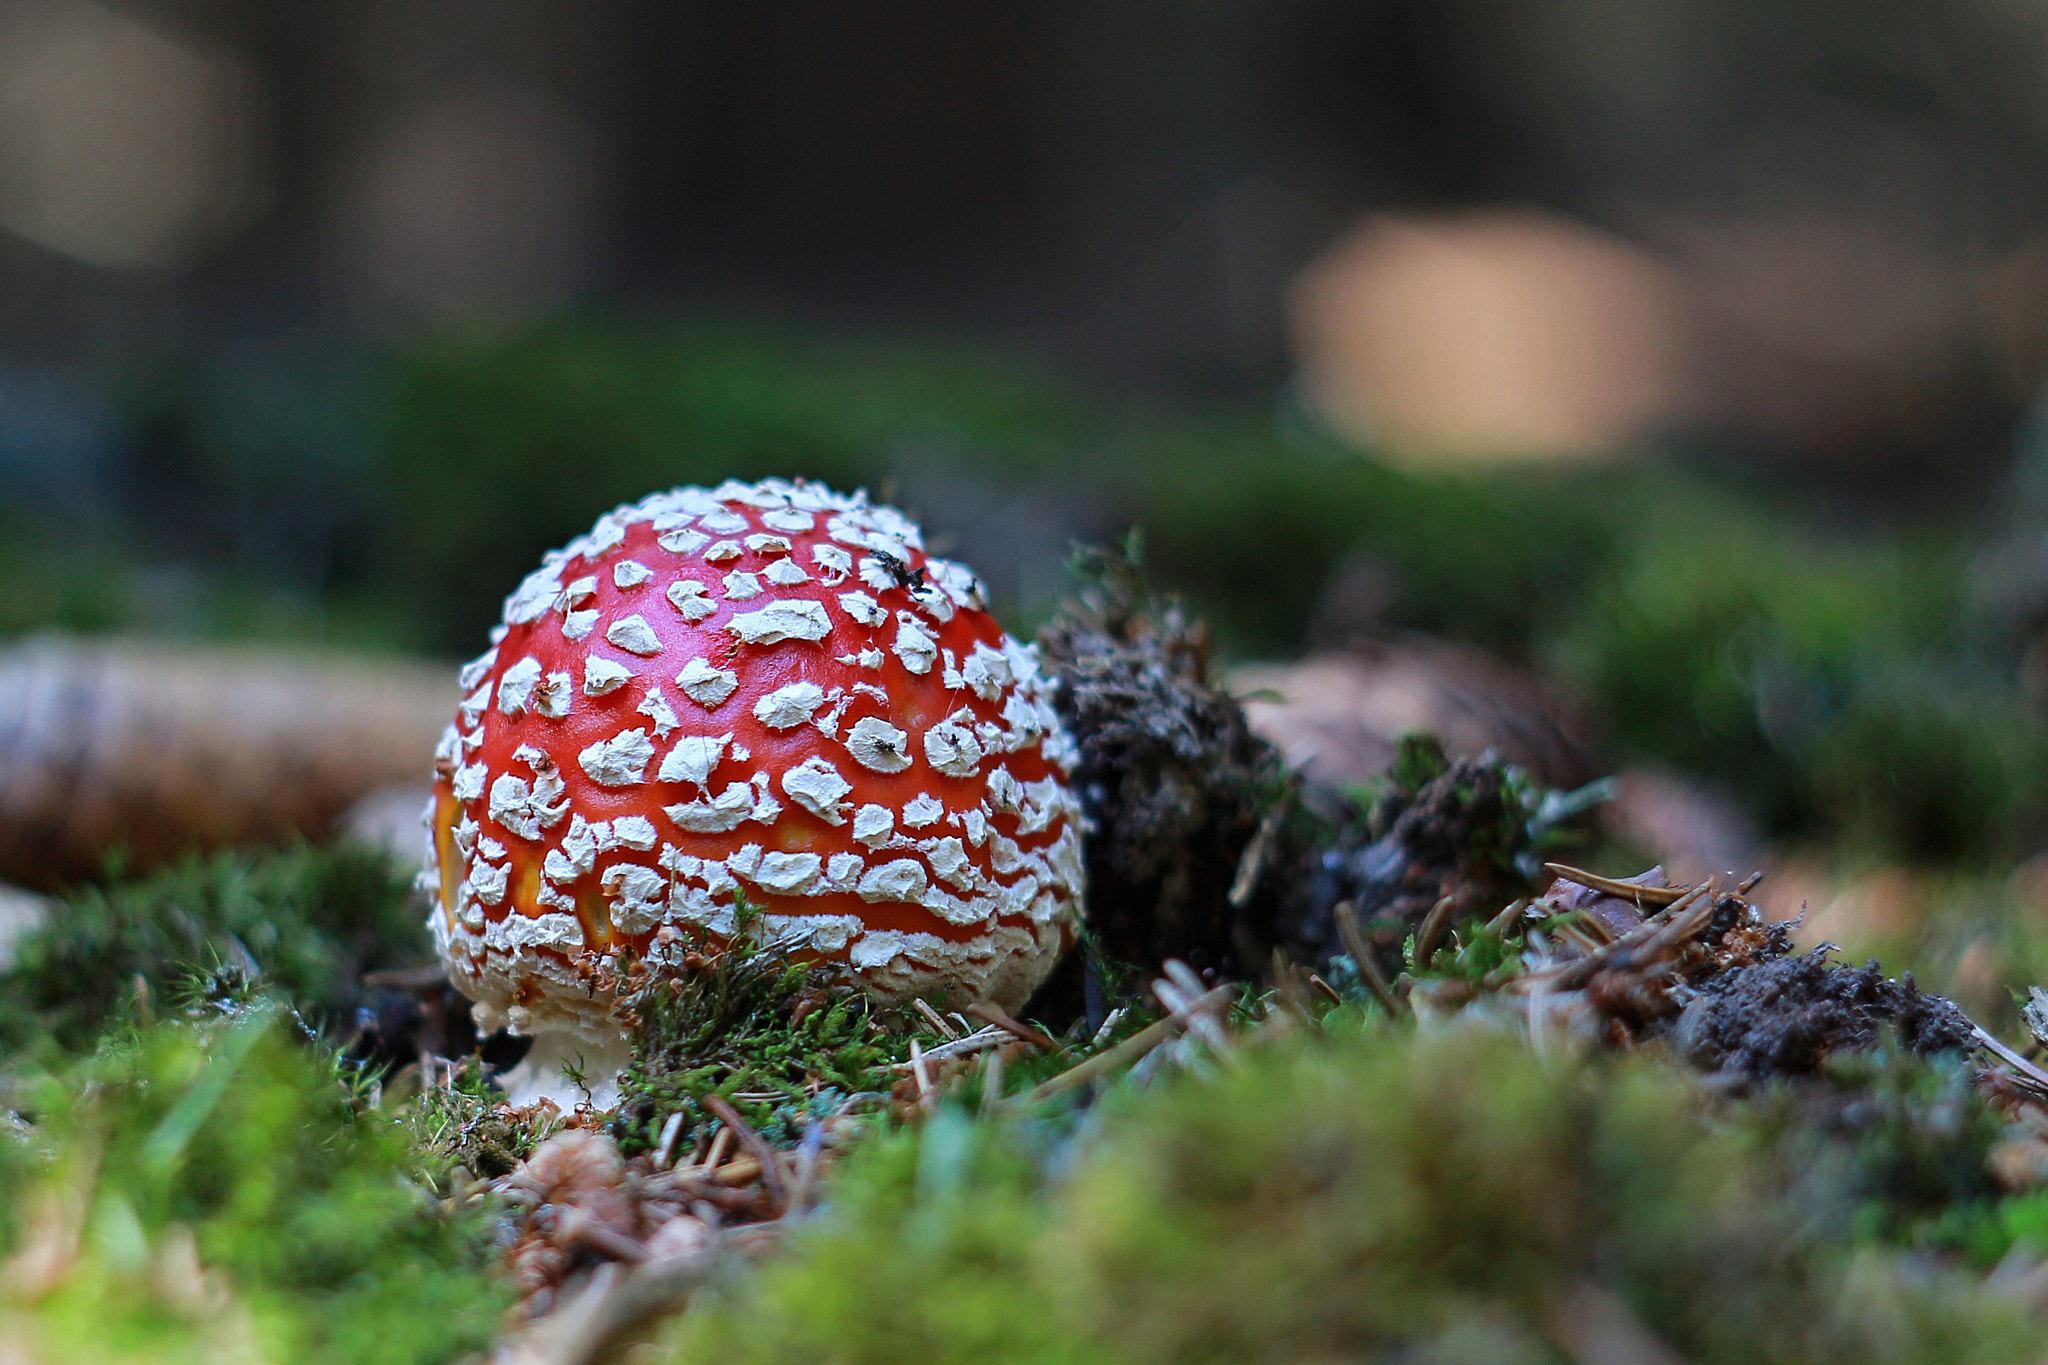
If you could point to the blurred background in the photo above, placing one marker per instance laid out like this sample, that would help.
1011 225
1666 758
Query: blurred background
1646 388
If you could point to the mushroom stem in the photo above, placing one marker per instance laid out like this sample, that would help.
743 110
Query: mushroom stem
571 1069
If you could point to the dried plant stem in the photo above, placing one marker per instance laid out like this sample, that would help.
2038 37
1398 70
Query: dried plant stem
991 1082
1628 891
771 1168
721 1145
966 1047
989 1014
2036 1078
1361 954
807 1158
927 1097
669 1130
1431 932
1124 1053
1508 920
1253 861
1179 991
736 1173
937 1021
1570 975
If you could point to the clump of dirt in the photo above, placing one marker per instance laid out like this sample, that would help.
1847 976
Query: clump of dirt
1206 849
1470 830
1785 1017
1634 979
1170 774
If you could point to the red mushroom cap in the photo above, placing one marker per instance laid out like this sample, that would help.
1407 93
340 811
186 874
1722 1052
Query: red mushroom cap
765 689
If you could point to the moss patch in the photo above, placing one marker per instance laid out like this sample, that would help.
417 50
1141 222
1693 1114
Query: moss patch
784 1041
308 921
1363 1195
215 1190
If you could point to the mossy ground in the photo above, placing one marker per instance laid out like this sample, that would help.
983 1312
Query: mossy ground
217 1181
1359 1192
781 1040
309 921
217 1189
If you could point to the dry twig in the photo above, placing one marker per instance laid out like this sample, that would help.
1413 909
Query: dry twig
1570 975
1431 932
1346 916
1179 991
1628 891
937 1021
771 1168
673 1126
927 1095
989 1014
1128 1051
1508 920
2033 1076
966 1047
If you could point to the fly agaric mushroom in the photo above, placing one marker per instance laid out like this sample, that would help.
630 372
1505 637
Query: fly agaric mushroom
764 690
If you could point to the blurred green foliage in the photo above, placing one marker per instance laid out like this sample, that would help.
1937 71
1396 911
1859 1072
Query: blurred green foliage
215 1191
1844 687
54 581
491 454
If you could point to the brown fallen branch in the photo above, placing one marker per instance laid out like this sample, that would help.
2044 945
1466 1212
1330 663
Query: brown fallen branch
157 749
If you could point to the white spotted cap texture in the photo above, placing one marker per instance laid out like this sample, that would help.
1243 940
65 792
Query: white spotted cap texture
766 690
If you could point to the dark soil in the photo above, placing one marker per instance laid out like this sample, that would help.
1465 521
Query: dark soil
1170 774
1445 829
1785 1017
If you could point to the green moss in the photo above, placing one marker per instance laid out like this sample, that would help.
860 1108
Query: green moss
232 1198
464 1126
56 581
785 1042
308 921
925 1254
1843 688
1900 1141
1367 1195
